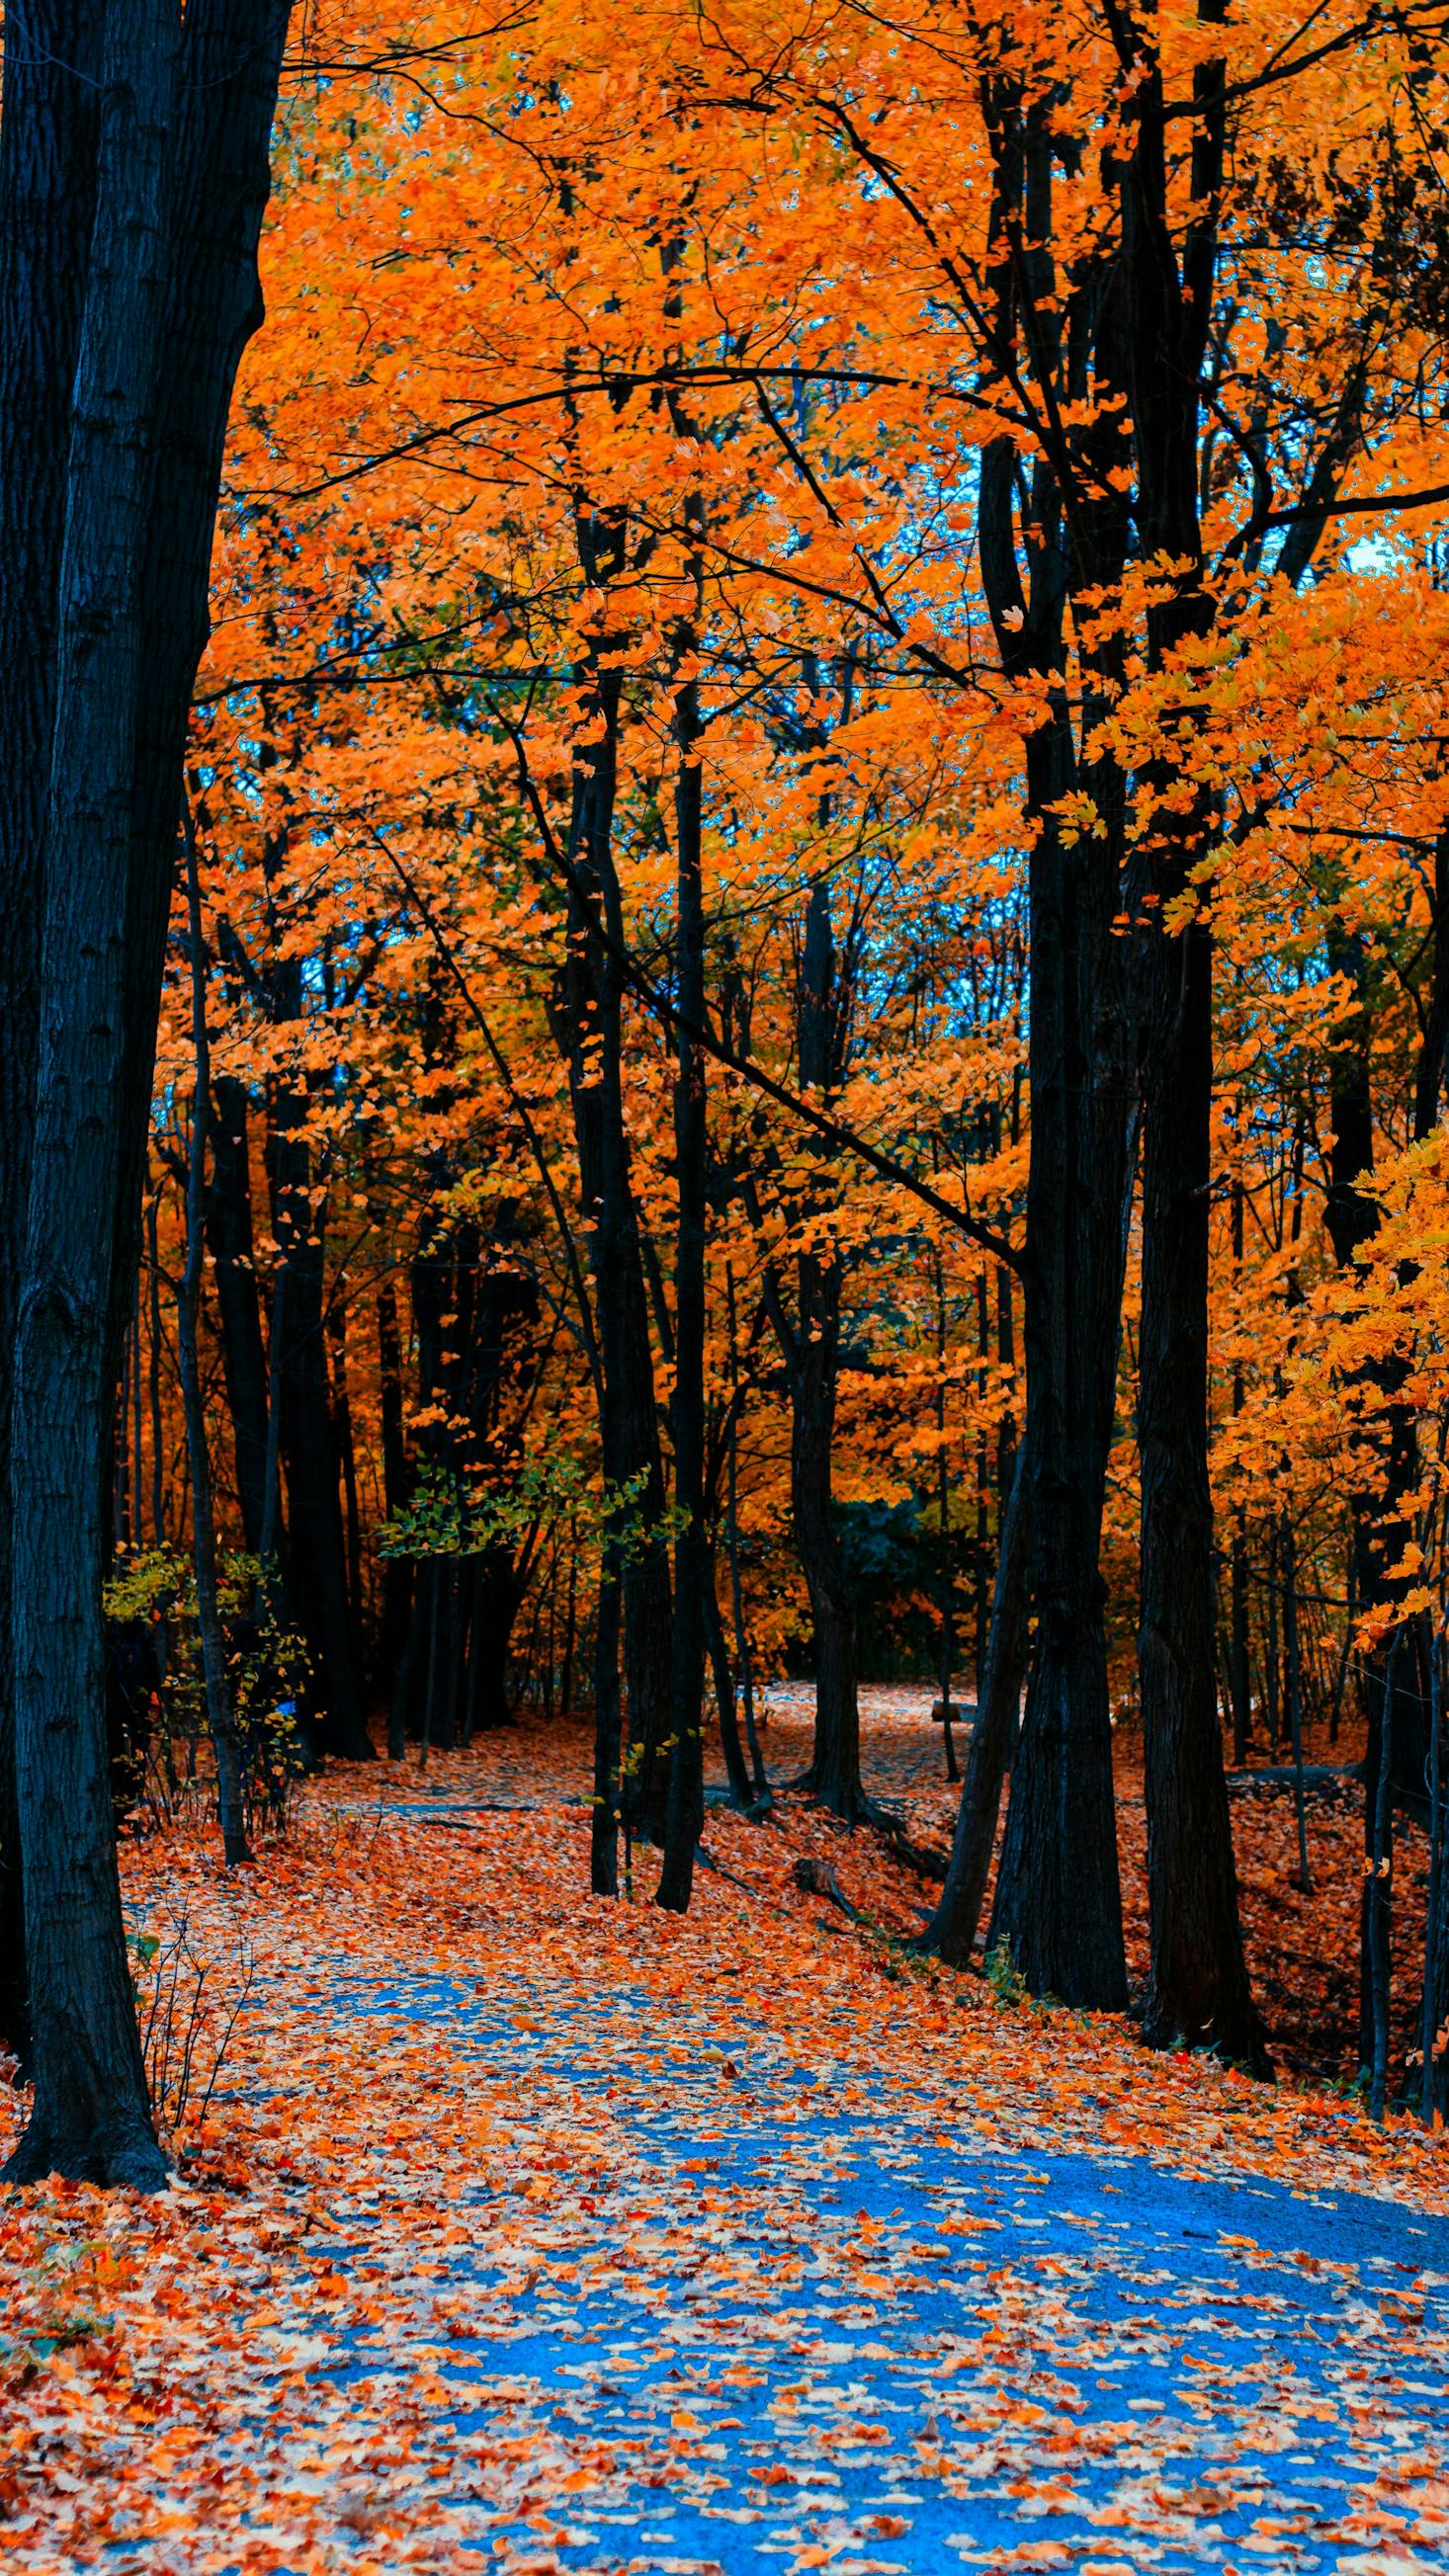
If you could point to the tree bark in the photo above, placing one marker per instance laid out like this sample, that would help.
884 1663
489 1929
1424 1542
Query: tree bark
397 1572
951 1932
810 1346
608 1741
91 2117
744 1663
336 1321
47 204
221 1714
834 1773
1198 1991
587 1016
1394 1706
1058 1900
1434 2007
317 1555
170 296
684 1815
243 1347
731 1744
231 53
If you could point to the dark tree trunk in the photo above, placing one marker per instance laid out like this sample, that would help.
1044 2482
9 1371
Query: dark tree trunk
346 1452
1198 1988
834 1773
431 1282
231 53
951 1931
1393 1705
1239 1670
1198 1991
137 1522
153 1370
736 1768
684 1817
170 297
91 2116
220 1711
762 1797
1058 1900
468 1306
571 1620
1239 1651
397 1573
946 1634
608 1743
243 1347
810 1345
317 1557
587 1015
1434 2009
47 203
1429 1073
1434 2035
1378 1899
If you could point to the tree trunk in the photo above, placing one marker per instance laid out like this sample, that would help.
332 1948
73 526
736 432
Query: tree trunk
1434 2009
153 1370
1379 1901
221 1715
231 54
1198 1988
811 1348
608 1742
397 1573
743 1659
170 298
571 1628
317 1554
951 1932
736 1769
347 1455
243 1348
1058 1897
946 1638
587 1015
1058 1901
47 203
684 1817
834 1773
1382 1518
91 2118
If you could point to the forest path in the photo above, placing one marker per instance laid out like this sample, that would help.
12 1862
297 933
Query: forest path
533 2230
773 2329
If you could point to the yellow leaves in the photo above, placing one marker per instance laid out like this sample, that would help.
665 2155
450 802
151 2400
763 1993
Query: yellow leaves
1079 817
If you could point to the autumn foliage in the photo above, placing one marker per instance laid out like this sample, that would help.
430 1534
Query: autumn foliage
812 891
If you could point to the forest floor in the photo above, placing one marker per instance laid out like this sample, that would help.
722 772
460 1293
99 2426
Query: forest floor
526 2229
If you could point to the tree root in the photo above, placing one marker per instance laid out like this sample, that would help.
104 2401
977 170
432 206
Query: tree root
817 1878
125 2158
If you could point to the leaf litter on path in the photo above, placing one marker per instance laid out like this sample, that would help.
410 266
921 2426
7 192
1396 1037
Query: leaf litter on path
529 2230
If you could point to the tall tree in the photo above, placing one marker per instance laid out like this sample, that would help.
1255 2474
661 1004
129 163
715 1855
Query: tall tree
48 129
1058 1901
180 185
1198 1986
